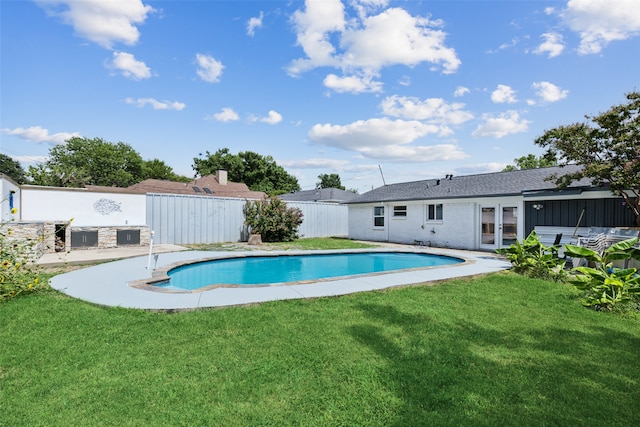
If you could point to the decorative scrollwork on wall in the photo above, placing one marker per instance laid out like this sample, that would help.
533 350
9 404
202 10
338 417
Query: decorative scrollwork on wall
106 206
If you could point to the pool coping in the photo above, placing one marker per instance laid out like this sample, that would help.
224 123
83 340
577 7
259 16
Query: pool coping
110 284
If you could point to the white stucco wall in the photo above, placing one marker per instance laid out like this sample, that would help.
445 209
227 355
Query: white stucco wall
85 207
460 227
6 187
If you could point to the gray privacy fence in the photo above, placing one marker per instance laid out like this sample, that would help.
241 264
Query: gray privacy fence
179 219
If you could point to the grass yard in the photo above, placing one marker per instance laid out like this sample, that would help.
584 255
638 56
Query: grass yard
312 243
494 350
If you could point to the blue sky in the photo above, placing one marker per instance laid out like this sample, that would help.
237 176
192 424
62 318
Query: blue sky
419 89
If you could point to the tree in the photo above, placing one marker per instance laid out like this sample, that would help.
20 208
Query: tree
83 161
12 169
608 150
157 169
260 173
530 161
329 181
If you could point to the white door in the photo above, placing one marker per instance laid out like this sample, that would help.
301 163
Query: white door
498 226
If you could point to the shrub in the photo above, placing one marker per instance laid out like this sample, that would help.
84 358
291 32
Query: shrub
606 287
272 219
534 259
18 274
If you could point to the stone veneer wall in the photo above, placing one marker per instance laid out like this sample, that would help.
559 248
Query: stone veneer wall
108 236
29 234
44 236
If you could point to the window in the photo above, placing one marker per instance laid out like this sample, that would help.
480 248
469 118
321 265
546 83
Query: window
378 216
399 211
434 212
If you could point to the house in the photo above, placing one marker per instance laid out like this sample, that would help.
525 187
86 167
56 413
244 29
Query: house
482 212
210 185
325 195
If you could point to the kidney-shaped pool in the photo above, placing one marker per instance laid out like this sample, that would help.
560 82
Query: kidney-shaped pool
266 270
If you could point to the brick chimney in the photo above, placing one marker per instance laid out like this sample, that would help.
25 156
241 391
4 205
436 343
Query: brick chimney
221 175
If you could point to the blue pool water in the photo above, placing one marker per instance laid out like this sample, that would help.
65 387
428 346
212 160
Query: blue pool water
268 270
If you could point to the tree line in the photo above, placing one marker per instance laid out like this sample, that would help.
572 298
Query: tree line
94 161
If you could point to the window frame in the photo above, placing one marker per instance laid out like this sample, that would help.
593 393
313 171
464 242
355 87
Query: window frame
378 214
433 208
400 211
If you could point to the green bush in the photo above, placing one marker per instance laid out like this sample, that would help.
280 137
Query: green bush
18 274
534 259
606 287
272 219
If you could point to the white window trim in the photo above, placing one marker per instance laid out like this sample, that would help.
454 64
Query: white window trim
435 220
406 212
378 227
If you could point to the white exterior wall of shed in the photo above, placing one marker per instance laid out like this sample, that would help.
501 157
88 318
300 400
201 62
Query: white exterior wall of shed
87 208
10 193
459 228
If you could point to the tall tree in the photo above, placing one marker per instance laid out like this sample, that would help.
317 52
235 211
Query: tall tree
329 181
608 149
260 173
83 161
530 161
12 168
157 169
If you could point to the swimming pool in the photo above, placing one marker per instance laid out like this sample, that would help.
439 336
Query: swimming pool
265 270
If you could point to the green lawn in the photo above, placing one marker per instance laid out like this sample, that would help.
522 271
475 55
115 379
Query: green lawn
312 243
497 350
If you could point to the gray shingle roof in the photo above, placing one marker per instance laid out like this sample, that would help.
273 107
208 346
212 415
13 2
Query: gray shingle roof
481 185
330 195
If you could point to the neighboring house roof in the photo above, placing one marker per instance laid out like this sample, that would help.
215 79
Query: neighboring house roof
481 185
208 185
329 195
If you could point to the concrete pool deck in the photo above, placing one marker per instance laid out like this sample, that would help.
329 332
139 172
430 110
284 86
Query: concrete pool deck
108 284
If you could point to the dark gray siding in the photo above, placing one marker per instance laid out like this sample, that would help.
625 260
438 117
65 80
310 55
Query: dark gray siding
566 213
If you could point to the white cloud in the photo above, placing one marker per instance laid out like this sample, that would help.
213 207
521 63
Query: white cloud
129 66
209 69
39 134
365 7
395 37
481 168
599 22
553 45
503 94
315 163
272 119
313 27
254 23
155 104
363 46
226 115
549 92
352 84
499 126
102 22
385 139
460 91
31 160
432 110
514 41
404 81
